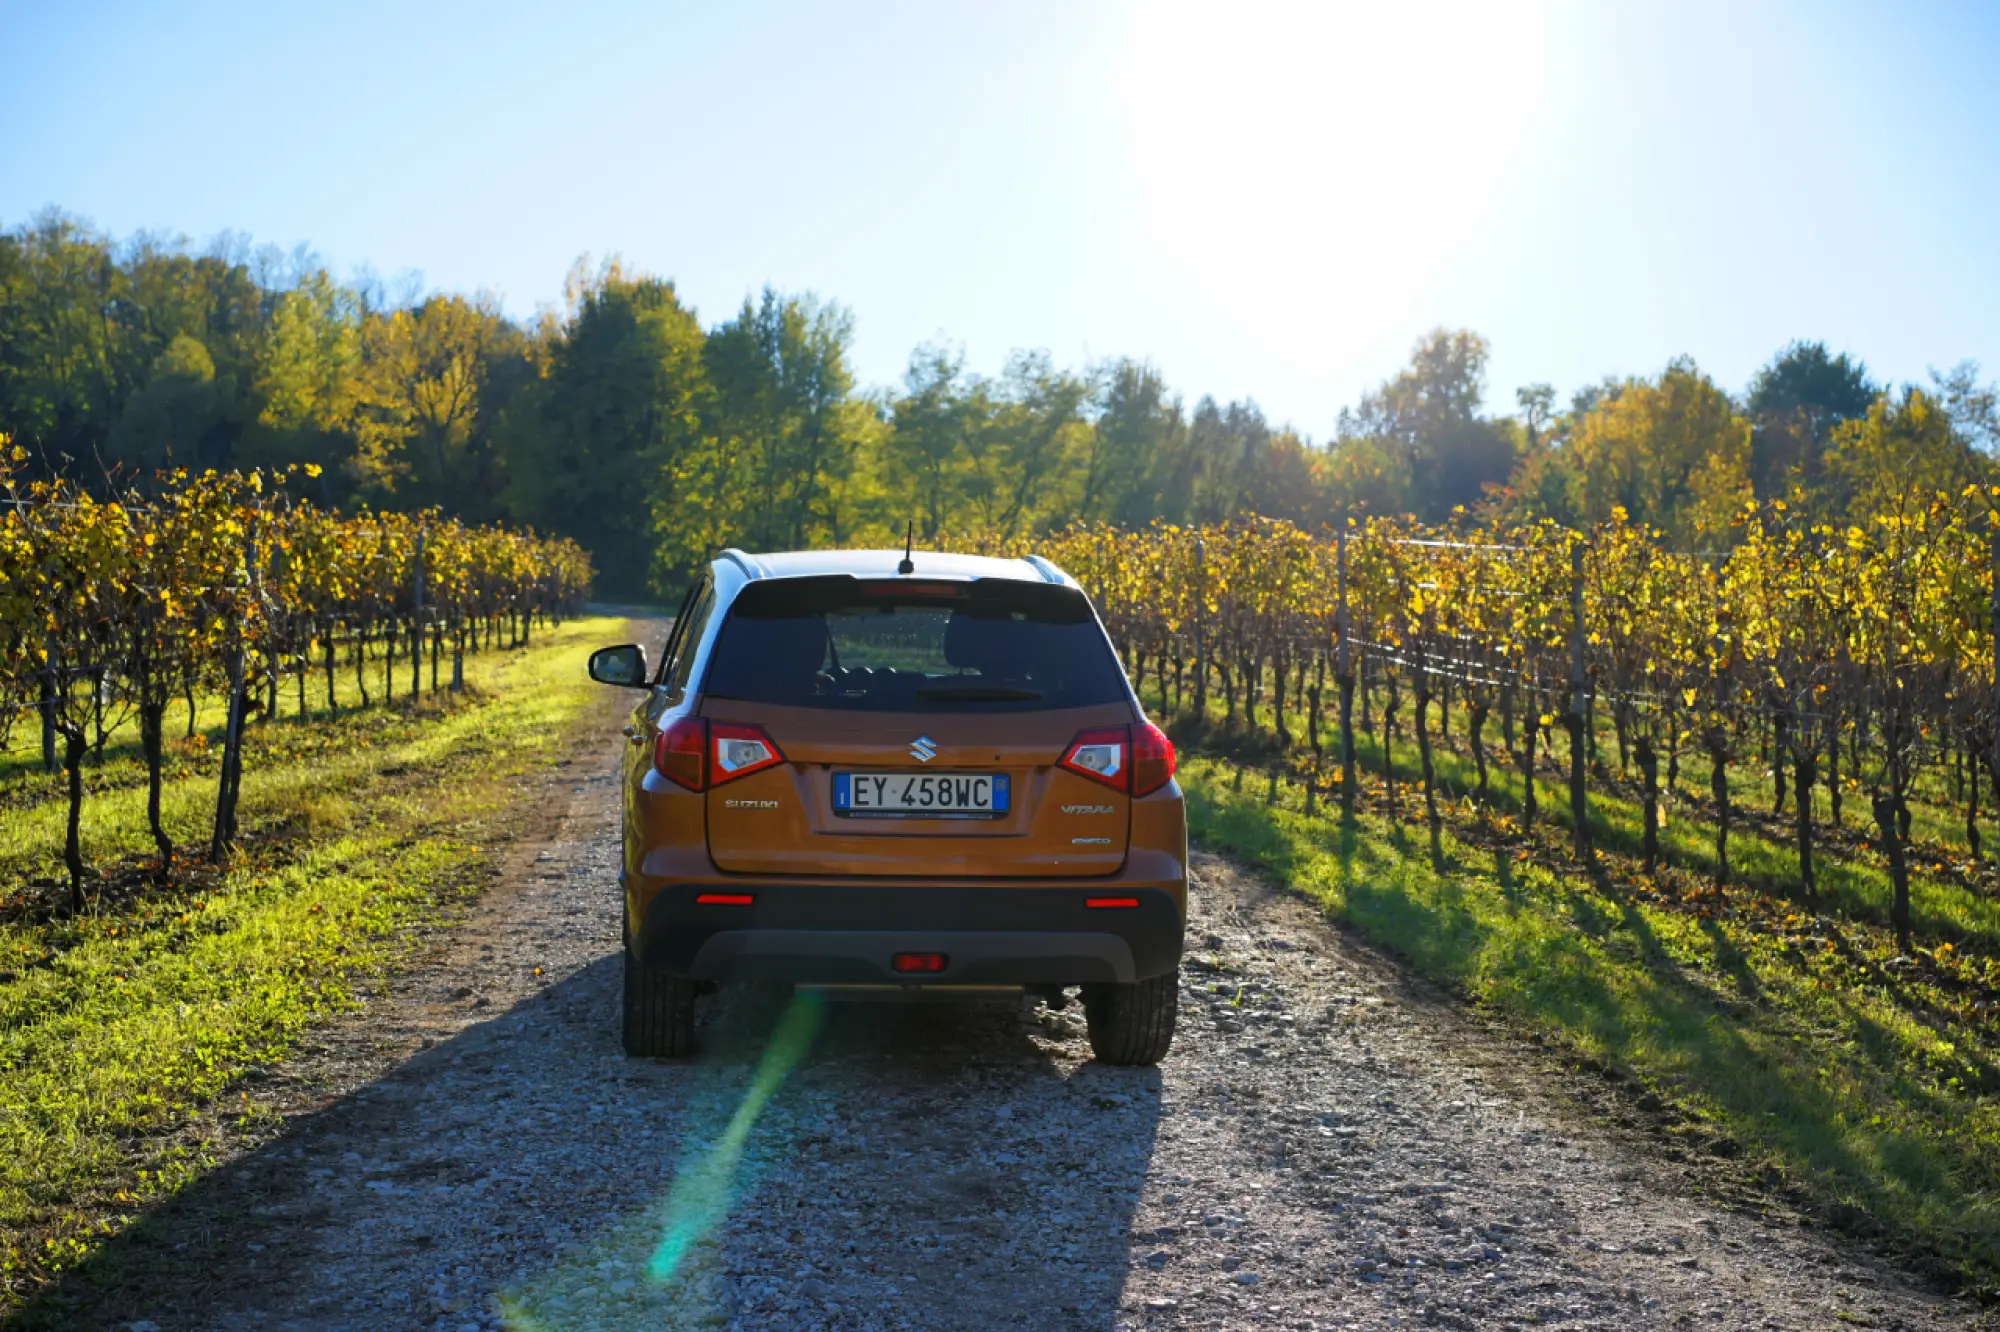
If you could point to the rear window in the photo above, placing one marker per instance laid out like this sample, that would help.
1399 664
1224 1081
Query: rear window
993 645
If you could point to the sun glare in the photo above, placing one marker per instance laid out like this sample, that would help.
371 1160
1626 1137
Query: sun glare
1313 166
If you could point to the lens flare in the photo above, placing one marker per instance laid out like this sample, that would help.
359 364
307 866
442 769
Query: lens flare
701 1194
654 1244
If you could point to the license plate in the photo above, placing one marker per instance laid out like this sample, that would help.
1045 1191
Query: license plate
920 795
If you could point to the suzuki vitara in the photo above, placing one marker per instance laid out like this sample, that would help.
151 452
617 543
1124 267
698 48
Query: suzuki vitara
889 775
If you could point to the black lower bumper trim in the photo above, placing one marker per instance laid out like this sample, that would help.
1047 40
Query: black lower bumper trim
839 935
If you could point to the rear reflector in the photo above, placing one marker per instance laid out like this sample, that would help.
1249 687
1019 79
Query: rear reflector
1111 901
918 961
725 899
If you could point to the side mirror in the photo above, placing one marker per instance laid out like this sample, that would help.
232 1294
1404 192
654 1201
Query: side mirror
623 665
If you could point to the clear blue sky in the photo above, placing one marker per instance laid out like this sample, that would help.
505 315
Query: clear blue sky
1268 201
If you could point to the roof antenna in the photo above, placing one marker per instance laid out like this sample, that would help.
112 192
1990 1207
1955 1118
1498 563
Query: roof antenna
908 565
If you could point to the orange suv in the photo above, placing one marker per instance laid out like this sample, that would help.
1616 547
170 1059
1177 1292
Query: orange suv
872 775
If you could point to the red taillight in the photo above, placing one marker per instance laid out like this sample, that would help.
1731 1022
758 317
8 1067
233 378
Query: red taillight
680 752
918 962
702 754
1102 902
1100 755
738 749
1137 760
1152 759
724 899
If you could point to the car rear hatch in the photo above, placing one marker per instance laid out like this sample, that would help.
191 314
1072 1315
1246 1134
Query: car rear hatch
915 729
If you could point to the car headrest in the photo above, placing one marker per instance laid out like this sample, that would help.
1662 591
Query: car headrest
992 645
790 652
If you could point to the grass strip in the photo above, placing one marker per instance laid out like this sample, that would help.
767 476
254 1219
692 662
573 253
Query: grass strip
116 1027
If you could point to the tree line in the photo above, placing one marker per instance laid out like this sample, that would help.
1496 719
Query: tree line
622 421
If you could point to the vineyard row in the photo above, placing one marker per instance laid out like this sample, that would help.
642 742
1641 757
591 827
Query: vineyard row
224 584
1853 659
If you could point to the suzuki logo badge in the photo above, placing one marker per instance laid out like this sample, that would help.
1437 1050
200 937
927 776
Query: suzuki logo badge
923 749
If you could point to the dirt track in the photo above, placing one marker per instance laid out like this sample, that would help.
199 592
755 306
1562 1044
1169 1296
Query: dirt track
1329 1145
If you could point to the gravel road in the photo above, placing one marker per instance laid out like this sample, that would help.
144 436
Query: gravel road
1329 1145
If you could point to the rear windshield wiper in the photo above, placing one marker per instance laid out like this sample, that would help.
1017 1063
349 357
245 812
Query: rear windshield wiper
979 693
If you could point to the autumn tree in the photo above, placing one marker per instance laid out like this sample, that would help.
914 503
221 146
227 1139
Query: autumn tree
307 386
782 414
420 391
1974 408
594 443
166 422
1673 454
1022 456
1425 423
926 460
1794 404
1137 464
1903 446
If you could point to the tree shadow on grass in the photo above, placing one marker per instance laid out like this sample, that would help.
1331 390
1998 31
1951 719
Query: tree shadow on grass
1736 1065
528 1154
1766 1090
1731 960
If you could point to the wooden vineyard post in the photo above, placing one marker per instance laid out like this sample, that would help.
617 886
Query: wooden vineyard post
1201 632
327 648
47 677
231 783
224 835
1577 719
417 625
1805 758
1993 703
1345 674
273 674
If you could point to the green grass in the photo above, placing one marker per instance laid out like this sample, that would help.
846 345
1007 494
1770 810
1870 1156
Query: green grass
118 1027
1786 1043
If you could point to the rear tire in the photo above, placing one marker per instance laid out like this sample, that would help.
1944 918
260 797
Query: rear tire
659 1012
1132 1024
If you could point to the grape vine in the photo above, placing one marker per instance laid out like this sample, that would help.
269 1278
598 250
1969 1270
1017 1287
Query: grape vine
224 583
1843 659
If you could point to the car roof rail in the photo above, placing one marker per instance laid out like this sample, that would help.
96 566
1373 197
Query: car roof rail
752 567
1048 571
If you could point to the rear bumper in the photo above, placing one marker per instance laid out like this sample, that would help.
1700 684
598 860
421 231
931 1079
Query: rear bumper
832 935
